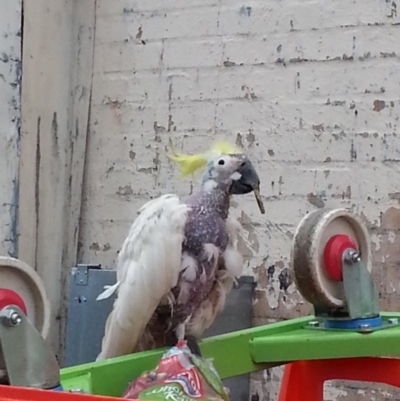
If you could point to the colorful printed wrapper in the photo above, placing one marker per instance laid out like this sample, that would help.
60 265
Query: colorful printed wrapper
180 376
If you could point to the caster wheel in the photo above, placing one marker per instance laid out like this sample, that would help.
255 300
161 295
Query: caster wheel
20 285
316 261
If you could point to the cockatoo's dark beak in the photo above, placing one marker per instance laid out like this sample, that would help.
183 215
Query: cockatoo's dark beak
248 182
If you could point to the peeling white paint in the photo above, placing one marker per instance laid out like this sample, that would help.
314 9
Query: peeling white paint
391 237
376 240
272 293
332 393
10 117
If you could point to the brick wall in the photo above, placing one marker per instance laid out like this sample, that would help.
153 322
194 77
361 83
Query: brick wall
310 88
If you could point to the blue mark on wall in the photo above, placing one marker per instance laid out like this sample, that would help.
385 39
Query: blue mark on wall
245 10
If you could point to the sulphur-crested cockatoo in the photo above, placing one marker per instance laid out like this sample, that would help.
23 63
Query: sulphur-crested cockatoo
180 259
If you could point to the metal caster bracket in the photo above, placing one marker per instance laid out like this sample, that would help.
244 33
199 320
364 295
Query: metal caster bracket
361 311
331 262
28 359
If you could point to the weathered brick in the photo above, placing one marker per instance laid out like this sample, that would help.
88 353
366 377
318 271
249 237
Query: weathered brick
132 120
261 17
126 57
198 53
141 89
294 47
160 25
127 7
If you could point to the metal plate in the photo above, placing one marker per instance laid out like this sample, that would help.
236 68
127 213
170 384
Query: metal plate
29 359
321 327
85 316
361 294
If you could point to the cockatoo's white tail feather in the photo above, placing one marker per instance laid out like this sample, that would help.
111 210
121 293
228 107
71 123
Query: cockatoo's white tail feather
148 267
108 291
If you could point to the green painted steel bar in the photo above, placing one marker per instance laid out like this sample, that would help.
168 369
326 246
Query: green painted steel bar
242 352
305 344
230 353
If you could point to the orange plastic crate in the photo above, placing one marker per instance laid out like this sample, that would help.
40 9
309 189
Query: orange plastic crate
10 393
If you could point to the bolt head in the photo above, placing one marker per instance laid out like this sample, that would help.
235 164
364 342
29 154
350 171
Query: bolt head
393 320
352 257
15 318
365 327
313 323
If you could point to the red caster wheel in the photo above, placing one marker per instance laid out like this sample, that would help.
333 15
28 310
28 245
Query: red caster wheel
10 297
21 286
333 255
316 261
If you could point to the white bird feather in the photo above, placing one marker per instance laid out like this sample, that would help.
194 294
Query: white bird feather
148 267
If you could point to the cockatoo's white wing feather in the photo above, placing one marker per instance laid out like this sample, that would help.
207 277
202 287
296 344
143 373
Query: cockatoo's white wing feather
148 267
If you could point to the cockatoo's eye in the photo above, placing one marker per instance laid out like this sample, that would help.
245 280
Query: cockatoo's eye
221 162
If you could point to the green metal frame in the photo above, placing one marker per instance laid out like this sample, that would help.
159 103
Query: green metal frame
243 352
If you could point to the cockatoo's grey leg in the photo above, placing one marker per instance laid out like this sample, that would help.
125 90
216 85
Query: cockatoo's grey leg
180 332
190 340
193 345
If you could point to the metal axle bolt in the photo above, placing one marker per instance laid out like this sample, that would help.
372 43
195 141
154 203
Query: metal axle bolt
15 319
365 327
77 390
352 257
10 317
313 323
393 320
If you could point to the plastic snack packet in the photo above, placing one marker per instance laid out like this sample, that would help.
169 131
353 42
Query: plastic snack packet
179 376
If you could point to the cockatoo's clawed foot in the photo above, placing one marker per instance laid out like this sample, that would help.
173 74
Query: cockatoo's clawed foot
193 345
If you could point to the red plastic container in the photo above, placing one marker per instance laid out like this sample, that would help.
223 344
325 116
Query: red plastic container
10 393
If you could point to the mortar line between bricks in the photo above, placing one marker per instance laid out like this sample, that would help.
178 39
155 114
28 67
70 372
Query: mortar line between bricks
272 66
278 36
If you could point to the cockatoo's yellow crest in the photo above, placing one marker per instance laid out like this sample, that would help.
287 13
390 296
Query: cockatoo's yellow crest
225 148
189 164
